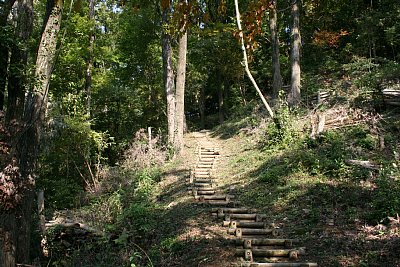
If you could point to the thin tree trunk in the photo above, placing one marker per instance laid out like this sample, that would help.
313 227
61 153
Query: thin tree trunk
221 103
246 64
5 8
168 75
89 61
202 108
295 84
17 82
180 92
15 224
276 67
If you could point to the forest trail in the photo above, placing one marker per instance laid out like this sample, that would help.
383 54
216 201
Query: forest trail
222 232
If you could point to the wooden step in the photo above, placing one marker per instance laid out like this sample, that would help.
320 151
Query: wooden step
244 216
199 180
194 188
239 224
248 243
220 203
239 232
204 166
215 211
292 254
279 264
215 197
202 191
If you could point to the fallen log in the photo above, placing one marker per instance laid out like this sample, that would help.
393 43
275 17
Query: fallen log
363 163
51 224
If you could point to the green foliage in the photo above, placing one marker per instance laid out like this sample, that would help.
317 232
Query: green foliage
70 160
386 196
282 132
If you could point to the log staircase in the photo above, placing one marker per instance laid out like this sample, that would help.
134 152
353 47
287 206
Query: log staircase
257 242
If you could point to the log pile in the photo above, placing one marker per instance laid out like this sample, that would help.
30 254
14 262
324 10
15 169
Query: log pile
391 96
391 92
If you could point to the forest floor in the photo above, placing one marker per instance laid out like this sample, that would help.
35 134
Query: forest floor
303 186
329 215
206 242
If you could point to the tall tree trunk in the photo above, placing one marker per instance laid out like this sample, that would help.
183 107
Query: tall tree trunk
202 108
246 64
168 73
221 102
89 61
180 92
18 62
5 8
276 66
15 223
295 84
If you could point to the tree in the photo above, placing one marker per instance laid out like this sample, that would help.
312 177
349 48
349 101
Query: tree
180 91
168 69
17 78
181 77
5 8
295 83
276 67
15 223
246 64
89 60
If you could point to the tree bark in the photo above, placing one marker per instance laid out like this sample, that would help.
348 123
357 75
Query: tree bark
18 62
168 73
276 67
202 108
246 64
89 61
15 224
5 8
295 84
180 92
221 103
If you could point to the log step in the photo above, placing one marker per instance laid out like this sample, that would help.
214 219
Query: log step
199 180
248 243
200 186
244 216
239 224
279 264
289 253
220 203
203 192
215 197
203 166
239 232
215 211
194 188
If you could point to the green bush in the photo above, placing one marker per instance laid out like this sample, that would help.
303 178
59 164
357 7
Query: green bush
386 197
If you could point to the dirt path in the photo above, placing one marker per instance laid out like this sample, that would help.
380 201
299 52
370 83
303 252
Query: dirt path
214 227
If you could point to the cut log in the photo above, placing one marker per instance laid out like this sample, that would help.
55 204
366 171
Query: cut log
363 163
391 96
239 224
232 210
290 253
245 216
239 232
288 243
82 226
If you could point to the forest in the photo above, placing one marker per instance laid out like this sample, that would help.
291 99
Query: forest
101 102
